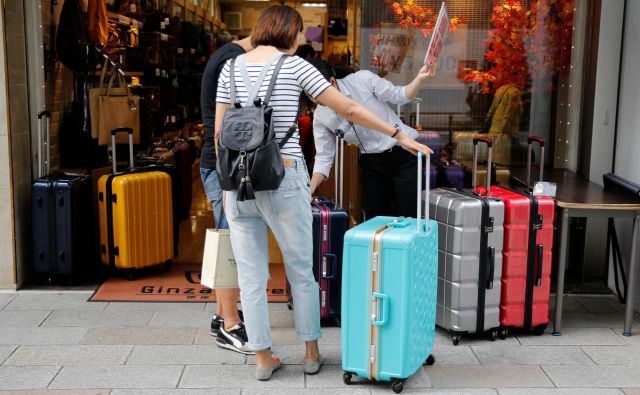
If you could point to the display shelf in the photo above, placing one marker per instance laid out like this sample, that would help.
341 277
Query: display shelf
125 20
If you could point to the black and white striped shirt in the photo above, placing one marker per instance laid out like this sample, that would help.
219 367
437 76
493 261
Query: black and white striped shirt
295 76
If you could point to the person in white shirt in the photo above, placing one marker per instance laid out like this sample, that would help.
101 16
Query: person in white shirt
389 173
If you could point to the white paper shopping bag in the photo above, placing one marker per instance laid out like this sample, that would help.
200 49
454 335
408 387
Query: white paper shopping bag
218 264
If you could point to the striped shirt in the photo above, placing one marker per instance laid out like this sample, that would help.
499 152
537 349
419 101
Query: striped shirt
295 76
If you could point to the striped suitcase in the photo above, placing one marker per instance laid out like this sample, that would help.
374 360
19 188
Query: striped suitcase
389 287
470 260
136 217
527 254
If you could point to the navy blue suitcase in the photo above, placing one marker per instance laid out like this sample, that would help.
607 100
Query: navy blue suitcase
62 243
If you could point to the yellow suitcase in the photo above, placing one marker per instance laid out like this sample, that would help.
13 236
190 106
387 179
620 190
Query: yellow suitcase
135 211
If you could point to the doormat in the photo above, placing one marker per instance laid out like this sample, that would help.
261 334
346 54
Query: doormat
180 284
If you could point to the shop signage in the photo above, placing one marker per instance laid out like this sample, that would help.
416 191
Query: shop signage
438 37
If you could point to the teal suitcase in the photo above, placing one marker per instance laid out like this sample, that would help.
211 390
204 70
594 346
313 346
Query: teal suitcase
389 296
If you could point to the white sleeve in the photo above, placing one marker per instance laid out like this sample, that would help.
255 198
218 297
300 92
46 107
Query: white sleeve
223 94
325 142
384 90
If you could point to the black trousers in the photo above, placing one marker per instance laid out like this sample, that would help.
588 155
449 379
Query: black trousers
389 183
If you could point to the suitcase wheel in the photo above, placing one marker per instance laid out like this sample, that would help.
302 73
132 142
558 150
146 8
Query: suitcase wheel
346 377
131 274
455 339
397 386
167 265
504 332
539 330
430 361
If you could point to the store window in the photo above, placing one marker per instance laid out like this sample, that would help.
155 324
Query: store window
505 68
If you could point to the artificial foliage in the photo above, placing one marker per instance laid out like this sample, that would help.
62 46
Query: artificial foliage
409 14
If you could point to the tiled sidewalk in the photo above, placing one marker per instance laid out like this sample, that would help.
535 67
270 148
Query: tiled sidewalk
60 344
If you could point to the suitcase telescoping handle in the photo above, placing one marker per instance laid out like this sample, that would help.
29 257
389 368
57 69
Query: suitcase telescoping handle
338 165
43 143
489 143
114 132
530 141
427 192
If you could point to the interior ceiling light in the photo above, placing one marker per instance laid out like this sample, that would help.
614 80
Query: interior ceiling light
315 5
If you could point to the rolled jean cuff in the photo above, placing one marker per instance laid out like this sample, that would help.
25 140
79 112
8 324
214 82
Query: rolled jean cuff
260 346
309 338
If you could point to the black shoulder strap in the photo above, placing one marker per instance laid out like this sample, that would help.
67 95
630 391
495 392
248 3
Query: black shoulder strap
232 77
274 77
292 129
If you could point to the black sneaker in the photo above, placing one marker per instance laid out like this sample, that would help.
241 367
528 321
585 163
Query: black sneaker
217 321
234 339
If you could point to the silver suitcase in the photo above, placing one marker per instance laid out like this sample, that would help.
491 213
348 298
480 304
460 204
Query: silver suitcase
470 257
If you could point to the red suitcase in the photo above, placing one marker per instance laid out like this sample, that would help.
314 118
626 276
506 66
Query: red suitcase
527 254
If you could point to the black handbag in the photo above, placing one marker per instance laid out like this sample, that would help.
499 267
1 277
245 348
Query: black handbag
249 156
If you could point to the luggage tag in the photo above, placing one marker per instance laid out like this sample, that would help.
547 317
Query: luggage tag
544 188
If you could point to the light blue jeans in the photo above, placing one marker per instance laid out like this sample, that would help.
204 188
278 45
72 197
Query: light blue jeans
214 193
286 211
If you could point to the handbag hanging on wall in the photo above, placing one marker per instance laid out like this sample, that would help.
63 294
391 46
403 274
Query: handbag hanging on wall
118 112
94 98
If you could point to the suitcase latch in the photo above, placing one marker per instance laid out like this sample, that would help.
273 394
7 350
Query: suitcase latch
489 227
538 224
325 232
373 353
324 298
375 262
324 266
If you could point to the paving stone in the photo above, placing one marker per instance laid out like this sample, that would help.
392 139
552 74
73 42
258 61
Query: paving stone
454 355
184 355
631 340
57 392
181 319
176 392
531 355
594 376
614 355
117 376
443 338
330 335
225 376
293 354
141 335
204 337
632 391
559 391
5 298
278 307
311 391
69 355
439 391
91 319
40 335
281 319
488 376
573 337
331 377
601 303
54 301
153 306
22 318
5 351
26 377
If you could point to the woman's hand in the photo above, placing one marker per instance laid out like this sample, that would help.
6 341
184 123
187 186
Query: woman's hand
425 73
411 145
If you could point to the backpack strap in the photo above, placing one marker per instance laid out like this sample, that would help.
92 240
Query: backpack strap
292 129
232 77
254 89
274 77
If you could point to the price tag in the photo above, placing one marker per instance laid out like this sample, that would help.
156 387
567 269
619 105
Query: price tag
165 74
192 50
164 37
166 21
133 8
173 119
180 50
157 72
162 25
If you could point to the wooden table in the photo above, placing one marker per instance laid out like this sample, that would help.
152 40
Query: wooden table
577 197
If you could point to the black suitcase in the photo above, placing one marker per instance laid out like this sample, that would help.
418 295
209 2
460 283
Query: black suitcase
62 238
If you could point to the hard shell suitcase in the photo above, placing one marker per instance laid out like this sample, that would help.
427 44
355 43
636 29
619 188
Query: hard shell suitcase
470 259
389 287
136 217
431 140
330 222
463 142
500 175
445 174
527 254
61 226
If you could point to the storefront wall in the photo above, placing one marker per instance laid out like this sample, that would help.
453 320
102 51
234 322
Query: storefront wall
627 152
